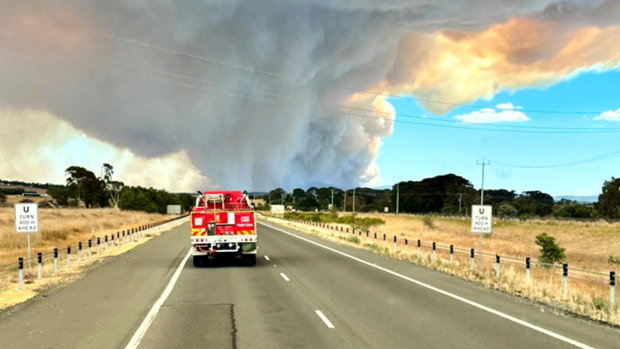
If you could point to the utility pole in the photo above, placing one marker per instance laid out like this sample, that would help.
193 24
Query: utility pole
397 196
483 164
353 200
332 197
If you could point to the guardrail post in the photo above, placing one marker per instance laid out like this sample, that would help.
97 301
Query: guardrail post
123 238
55 261
419 247
40 265
90 248
472 255
118 238
384 240
527 270
451 253
612 289
79 259
98 246
375 238
394 241
497 260
434 254
20 272
565 283
105 243
68 257
367 235
406 244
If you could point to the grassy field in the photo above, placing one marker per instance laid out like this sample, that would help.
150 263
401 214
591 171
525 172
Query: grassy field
61 227
588 246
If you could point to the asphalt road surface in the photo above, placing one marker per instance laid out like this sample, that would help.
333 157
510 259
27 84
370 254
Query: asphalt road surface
304 292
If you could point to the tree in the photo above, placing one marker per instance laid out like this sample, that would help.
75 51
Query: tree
85 187
608 204
114 189
550 252
507 210
108 171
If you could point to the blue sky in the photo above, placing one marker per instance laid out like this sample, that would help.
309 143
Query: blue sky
414 152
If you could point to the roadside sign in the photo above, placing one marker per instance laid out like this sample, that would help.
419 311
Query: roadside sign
481 219
173 209
26 218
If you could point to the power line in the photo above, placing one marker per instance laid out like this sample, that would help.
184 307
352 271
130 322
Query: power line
204 59
607 156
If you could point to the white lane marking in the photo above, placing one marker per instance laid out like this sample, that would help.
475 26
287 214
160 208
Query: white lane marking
267 257
285 277
324 318
445 293
148 320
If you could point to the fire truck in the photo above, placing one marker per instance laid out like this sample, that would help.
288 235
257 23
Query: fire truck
223 224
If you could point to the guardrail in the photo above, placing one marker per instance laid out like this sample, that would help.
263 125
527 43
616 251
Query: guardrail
47 263
492 265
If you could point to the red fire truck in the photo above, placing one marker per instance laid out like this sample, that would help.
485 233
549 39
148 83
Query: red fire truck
223 223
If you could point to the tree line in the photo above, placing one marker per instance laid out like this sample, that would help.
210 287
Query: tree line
446 194
84 189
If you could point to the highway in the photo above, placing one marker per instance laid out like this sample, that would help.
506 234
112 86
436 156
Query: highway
304 292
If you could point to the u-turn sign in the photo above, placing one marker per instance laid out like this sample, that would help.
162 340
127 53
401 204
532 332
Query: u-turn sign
26 218
481 218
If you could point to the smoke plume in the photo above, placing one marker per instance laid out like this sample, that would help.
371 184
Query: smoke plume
258 94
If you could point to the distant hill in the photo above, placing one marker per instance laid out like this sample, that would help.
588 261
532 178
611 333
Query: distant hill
587 199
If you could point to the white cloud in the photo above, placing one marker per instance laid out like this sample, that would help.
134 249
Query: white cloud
503 113
509 106
40 147
610 115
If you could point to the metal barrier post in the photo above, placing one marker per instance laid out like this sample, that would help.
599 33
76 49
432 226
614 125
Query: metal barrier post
40 265
472 254
55 261
565 283
90 248
68 257
497 274
98 246
105 246
375 238
20 272
367 235
451 253
527 270
406 244
612 289
419 247
384 241
394 241
79 259
434 251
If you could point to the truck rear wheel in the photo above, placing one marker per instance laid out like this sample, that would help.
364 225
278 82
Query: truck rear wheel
198 261
249 259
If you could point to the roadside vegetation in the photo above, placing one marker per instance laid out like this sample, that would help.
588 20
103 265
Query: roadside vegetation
591 245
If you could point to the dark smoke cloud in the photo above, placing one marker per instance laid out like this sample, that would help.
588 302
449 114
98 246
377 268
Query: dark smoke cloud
251 90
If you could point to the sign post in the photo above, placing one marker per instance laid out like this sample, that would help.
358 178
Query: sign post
27 221
481 223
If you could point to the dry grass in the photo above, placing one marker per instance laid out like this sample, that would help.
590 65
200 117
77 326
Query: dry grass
588 246
9 290
61 227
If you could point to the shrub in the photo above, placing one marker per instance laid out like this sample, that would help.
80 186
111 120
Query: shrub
550 251
428 222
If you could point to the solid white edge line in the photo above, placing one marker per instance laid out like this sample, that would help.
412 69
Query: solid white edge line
324 318
285 277
445 293
267 257
148 320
